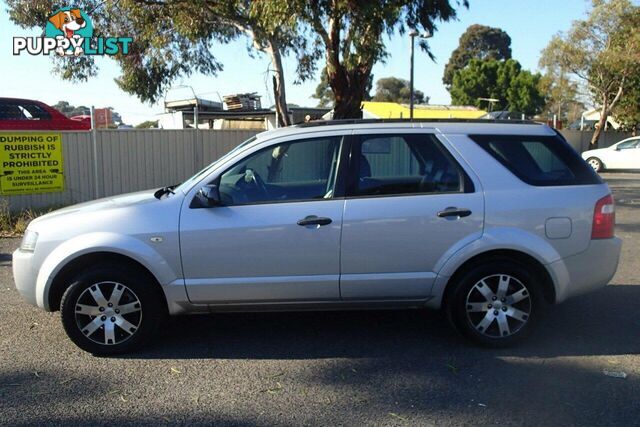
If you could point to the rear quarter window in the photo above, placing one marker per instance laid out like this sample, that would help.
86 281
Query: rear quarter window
539 160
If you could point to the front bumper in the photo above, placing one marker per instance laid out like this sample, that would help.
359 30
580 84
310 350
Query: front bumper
587 271
25 275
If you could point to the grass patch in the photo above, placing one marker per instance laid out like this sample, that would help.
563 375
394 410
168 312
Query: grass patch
14 224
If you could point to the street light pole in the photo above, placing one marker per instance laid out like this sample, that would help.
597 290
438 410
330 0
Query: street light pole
412 35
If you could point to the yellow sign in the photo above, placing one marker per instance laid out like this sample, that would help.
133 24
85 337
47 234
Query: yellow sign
30 163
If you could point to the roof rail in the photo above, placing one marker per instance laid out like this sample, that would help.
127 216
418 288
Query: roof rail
366 121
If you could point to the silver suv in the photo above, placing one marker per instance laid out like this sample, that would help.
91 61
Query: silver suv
488 221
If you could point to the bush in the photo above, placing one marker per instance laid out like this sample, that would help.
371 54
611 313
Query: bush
13 224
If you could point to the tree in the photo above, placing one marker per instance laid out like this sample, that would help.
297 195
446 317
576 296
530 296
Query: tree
392 89
164 50
602 51
349 34
562 97
69 110
324 94
477 42
627 111
516 89
148 124
561 92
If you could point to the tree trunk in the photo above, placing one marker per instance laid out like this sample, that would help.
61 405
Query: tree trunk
280 95
599 127
349 90
607 107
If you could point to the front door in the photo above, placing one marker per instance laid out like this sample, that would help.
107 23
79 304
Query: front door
408 203
277 236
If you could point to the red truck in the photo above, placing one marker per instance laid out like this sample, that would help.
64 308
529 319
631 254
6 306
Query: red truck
27 114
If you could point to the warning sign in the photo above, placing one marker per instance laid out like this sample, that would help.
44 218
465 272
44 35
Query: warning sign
30 163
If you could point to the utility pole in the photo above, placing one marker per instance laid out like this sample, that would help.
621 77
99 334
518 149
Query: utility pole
412 35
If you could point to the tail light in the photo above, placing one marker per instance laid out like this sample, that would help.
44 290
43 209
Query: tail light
604 218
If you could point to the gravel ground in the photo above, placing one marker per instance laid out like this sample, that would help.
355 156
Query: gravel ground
373 368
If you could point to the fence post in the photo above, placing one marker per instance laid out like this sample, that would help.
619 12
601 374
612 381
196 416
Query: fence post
94 142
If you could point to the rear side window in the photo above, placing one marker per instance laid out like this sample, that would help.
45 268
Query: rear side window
391 164
539 160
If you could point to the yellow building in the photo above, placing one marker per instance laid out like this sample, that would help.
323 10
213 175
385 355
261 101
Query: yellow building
393 110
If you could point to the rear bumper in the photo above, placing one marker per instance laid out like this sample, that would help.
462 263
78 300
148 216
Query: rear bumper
587 271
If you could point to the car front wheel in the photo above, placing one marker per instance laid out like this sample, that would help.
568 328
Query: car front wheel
495 304
111 310
595 163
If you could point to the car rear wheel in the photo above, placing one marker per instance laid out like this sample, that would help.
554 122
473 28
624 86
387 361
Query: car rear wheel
595 163
111 310
495 304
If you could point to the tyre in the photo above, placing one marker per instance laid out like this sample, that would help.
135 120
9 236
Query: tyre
110 309
595 163
495 304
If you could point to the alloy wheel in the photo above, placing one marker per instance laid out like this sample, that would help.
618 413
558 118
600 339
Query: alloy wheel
595 164
108 313
498 306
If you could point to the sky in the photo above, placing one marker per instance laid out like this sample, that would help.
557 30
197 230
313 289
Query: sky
530 24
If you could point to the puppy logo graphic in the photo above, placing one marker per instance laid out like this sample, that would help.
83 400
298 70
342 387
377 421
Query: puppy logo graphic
69 32
71 24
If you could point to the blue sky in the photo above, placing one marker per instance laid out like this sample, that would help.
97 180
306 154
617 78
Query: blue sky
531 24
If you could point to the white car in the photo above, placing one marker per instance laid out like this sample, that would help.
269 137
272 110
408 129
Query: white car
622 155
488 221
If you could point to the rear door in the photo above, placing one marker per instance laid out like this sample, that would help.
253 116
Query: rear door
408 202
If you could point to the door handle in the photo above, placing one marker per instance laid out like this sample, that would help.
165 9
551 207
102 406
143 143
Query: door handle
314 220
453 211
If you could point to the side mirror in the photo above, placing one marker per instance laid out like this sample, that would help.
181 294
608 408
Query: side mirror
207 197
618 148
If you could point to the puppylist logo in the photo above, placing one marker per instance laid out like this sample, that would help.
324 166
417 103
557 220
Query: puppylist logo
69 32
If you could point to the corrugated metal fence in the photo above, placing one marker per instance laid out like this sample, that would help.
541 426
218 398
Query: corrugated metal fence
580 140
129 161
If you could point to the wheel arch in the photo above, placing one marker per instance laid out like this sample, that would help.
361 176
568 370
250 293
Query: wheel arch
61 280
523 259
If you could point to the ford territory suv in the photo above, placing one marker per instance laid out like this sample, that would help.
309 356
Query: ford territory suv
485 220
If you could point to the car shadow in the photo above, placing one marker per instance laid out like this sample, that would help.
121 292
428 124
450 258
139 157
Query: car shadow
606 322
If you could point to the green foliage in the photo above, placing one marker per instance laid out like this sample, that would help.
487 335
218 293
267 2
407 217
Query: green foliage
516 89
169 43
393 89
69 110
350 36
627 111
477 42
603 51
149 124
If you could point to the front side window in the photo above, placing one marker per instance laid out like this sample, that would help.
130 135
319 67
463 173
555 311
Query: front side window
295 171
628 144
403 164
34 112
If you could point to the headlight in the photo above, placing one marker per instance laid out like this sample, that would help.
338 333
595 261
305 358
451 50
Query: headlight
29 241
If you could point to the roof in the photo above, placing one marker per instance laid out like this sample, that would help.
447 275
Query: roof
393 110
447 126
